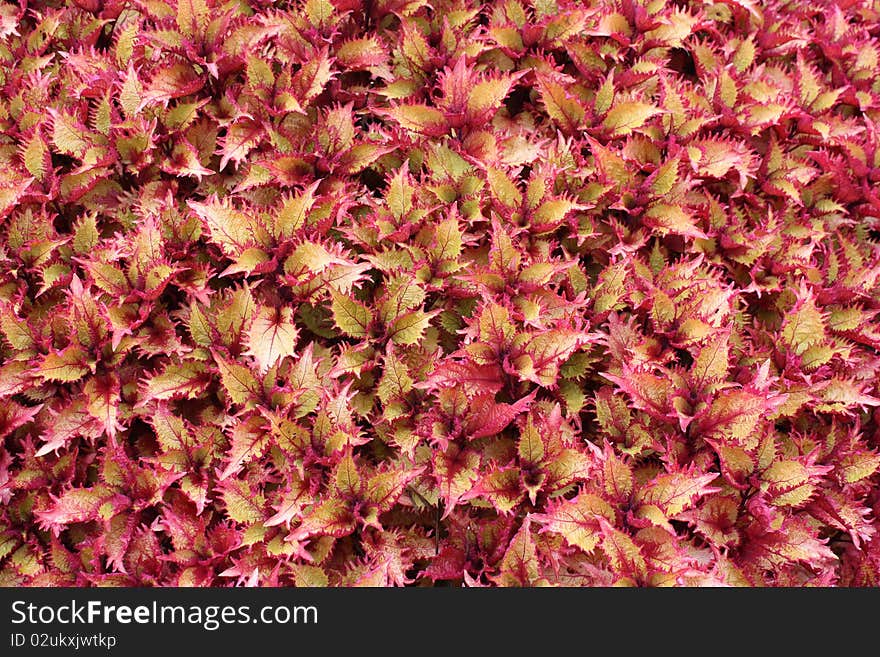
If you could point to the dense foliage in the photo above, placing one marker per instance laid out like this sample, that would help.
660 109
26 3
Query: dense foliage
425 292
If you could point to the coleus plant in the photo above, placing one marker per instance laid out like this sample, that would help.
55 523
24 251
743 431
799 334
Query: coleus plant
431 292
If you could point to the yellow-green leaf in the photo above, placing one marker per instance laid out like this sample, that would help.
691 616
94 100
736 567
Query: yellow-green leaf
395 381
241 504
238 381
804 327
622 119
352 317
409 328
64 366
419 118
67 135
530 446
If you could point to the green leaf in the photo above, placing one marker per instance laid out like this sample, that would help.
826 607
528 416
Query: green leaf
237 380
294 211
352 317
804 326
530 447
410 328
396 380
171 431
34 156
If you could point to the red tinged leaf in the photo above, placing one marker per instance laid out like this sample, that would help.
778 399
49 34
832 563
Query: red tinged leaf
472 378
384 488
64 366
238 381
171 431
79 505
795 543
241 138
66 424
673 493
648 392
230 228
330 518
417 118
186 380
487 417
14 415
734 416
248 441
455 471
12 189
170 82
519 567
577 520
563 107
104 398
310 80
291 503
624 555
540 358
361 54
501 488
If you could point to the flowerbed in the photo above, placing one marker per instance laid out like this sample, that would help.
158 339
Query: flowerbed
407 292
